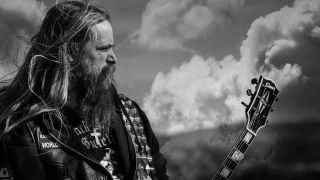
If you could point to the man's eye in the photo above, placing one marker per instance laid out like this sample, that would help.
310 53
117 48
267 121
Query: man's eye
104 48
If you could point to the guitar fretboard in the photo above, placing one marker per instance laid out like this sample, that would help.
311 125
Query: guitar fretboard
235 156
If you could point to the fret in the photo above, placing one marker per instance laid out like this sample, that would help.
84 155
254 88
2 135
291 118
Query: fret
243 142
256 115
218 177
242 146
225 172
235 156
230 163
248 137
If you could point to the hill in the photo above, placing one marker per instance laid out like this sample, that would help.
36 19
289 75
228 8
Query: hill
282 151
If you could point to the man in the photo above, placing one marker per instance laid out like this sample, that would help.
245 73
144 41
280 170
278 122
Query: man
61 116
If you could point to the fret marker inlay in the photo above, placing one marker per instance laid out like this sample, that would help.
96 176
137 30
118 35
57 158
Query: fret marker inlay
237 155
225 172
256 118
247 138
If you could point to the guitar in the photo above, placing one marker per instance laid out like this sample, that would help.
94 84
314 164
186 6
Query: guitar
256 114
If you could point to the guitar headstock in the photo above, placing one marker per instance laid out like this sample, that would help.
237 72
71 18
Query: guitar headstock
260 103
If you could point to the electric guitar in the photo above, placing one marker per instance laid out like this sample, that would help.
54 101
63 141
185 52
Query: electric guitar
256 114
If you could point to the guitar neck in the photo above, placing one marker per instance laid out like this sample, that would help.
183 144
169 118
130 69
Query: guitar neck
235 156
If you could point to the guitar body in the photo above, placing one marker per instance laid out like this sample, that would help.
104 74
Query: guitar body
256 113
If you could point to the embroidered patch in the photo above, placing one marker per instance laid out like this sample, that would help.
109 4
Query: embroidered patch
95 140
82 128
4 174
45 143
101 178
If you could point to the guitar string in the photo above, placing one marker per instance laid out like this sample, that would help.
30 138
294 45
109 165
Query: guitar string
235 146
237 143
226 163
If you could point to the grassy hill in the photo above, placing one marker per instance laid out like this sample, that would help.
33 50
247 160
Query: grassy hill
283 151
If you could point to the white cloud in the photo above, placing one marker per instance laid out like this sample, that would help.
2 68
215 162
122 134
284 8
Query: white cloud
168 24
19 20
31 11
205 92
315 32
178 100
285 75
277 46
195 21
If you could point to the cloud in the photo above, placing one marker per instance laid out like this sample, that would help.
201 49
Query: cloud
277 46
315 32
168 24
19 20
285 75
206 92
178 100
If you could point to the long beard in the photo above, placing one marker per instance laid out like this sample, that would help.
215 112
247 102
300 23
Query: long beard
97 107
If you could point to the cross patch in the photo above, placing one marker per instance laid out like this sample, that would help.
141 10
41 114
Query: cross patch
4 174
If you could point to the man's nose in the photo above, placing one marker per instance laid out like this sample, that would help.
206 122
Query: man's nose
111 58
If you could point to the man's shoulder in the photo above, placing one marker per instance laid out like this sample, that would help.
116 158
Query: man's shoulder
124 97
126 101
22 134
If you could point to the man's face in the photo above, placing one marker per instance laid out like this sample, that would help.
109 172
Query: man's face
98 51
97 67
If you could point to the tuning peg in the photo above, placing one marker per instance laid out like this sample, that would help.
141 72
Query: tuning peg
249 92
244 104
271 110
276 99
254 81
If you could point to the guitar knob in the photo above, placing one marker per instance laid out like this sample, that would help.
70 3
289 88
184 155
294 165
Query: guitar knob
249 92
254 81
244 104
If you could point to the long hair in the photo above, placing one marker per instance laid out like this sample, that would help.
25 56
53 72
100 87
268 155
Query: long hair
42 82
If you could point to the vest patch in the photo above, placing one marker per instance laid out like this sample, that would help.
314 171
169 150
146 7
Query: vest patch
101 178
45 143
49 145
4 174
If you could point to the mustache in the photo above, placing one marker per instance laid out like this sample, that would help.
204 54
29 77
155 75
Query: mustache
105 78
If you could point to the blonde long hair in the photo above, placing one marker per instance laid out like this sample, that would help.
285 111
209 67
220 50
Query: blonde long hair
42 82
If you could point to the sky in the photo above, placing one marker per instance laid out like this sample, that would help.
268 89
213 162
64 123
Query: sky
188 64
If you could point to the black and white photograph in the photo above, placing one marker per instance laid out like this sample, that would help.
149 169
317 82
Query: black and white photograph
159 89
